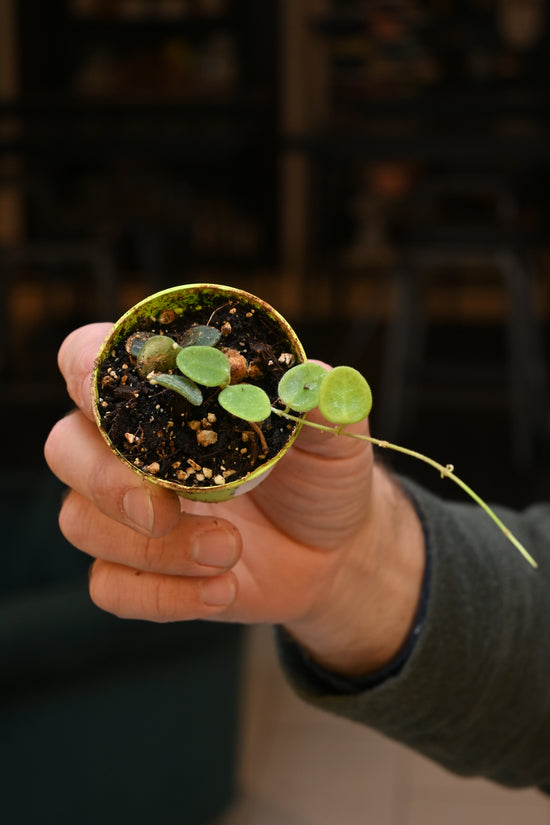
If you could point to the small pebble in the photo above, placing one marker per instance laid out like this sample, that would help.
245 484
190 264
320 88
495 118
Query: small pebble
206 437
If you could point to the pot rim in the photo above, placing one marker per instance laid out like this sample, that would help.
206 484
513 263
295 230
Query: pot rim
150 307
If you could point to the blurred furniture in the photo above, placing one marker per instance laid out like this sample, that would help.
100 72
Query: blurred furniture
138 153
163 115
463 229
49 285
438 89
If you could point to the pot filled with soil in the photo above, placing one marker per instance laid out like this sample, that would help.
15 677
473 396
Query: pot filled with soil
163 372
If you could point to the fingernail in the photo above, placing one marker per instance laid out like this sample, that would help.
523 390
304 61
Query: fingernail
215 548
219 591
138 508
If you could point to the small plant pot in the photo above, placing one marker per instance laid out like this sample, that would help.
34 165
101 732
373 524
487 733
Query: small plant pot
200 451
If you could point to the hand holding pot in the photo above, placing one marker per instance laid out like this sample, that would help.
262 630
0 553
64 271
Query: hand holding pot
327 545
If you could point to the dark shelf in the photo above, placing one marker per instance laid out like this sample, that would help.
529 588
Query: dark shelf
339 25
460 99
56 109
151 21
123 30
422 146
63 130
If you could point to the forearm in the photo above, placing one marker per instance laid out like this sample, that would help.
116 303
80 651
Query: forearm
474 694
367 609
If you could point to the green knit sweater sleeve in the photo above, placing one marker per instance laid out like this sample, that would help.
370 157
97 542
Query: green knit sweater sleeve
475 693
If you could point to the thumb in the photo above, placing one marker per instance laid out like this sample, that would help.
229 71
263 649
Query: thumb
319 492
327 443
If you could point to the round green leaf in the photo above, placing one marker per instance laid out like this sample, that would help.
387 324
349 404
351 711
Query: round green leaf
299 386
245 401
345 396
205 365
158 354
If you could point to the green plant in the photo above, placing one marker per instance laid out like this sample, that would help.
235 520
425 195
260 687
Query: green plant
342 395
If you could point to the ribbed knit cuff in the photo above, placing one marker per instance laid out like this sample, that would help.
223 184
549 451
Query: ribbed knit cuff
330 682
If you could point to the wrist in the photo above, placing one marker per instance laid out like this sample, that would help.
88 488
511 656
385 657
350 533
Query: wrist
369 606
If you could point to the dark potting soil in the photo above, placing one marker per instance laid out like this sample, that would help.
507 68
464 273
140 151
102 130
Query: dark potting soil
163 434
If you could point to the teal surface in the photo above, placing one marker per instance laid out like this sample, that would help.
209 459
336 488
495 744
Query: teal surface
104 720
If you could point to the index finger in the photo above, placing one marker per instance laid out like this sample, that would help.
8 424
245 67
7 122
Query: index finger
76 359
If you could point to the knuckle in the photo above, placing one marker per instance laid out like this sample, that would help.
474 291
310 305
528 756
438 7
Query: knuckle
154 554
55 439
66 521
164 604
77 521
96 584
83 393
105 489
104 590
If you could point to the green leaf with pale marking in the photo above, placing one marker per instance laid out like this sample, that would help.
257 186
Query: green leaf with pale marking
345 396
135 342
200 336
299 386
205 365
245 401
158 354
180 384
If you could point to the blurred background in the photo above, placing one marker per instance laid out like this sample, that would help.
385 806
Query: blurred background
376 169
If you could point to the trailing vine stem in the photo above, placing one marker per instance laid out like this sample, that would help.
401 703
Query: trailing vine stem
341 394
446 471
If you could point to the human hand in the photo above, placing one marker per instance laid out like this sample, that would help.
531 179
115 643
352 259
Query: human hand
319 546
